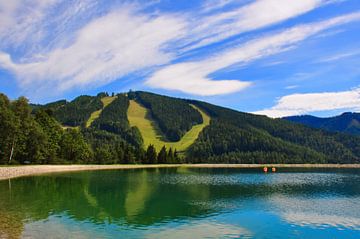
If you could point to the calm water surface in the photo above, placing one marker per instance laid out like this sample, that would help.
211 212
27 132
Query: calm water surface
183 203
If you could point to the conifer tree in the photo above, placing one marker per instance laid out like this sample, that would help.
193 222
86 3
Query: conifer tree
151 155
162 156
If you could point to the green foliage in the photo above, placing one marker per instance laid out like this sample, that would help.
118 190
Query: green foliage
151 156
174 116
55 105
151 134
162 156
78 111
113 118
53 133
243 136
73 147
118 150
9 125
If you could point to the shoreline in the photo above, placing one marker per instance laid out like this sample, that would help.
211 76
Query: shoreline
8 172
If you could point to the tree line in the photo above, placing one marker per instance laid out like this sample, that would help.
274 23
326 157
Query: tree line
34 136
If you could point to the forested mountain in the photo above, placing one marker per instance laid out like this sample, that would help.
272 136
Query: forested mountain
174 116
241 137
76 112
347 122
37 134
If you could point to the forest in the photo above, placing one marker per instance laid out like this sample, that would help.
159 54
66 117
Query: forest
239 137
174 116
57 133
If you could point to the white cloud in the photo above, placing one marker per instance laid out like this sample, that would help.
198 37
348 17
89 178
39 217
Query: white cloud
81 47
258 14
290 87
297 104
20 20
339 56
107 48
202 230
193 77
321 220
211 5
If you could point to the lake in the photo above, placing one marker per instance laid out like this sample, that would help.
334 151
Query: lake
183 203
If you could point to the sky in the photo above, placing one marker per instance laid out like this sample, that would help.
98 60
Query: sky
269 57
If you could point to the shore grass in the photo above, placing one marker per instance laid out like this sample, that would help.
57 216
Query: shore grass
8 172
106 101
139 116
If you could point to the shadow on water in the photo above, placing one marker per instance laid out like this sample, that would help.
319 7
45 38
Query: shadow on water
144 197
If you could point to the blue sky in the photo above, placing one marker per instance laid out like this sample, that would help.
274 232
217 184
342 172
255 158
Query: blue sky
272 57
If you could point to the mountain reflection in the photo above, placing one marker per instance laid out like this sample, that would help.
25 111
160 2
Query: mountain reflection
143 197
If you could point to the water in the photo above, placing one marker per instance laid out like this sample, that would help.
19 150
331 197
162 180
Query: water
183 203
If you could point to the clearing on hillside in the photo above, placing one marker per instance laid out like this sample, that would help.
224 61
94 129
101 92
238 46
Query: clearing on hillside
94 115
139 116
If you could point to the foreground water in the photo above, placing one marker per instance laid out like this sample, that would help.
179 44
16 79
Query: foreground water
183 203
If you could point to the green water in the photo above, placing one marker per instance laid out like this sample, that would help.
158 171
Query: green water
183 203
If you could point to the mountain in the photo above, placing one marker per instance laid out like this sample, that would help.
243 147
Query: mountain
143 127
347 122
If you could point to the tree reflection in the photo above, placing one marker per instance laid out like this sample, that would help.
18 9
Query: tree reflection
143 197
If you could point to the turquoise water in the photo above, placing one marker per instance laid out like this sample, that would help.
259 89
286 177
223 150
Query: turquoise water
183 203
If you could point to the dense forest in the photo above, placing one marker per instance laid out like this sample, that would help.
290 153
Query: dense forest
237 137
77 112
57 133
347 122
174 116
113 119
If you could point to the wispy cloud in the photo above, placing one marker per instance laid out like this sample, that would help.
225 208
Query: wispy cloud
339 56
193 77
214 28
56 45
211 5
298 104
290 87
20 22
107 48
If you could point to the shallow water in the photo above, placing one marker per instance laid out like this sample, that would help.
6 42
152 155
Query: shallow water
183 203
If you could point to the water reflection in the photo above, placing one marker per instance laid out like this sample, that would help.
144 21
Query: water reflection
169 202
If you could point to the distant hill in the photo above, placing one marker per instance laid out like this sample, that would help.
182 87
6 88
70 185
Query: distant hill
143 127
346 123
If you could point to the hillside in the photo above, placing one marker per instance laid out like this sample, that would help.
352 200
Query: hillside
347 122
142 127
139 117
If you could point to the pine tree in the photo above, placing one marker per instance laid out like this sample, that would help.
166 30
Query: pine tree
170 156
151 155
176 157
162 156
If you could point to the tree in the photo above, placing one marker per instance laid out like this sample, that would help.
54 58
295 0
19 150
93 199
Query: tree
170 156
53 132
8 130
151 155
103 155
162 156
74 148
176 157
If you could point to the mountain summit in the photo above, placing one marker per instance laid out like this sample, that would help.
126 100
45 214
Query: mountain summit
347 122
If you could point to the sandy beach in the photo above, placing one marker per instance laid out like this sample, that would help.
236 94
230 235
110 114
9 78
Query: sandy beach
7 172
